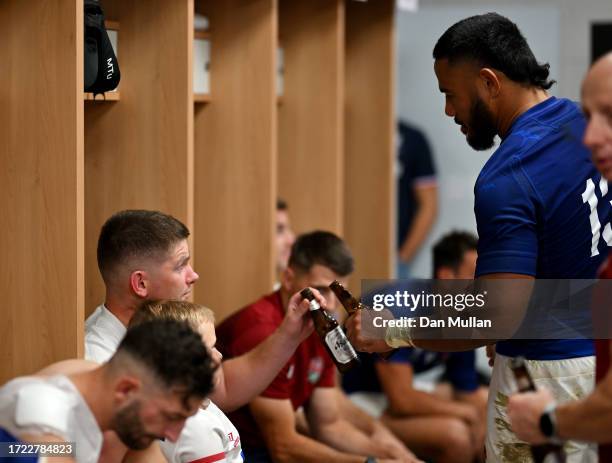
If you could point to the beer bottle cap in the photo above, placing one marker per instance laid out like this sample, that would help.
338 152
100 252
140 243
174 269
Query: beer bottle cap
307 294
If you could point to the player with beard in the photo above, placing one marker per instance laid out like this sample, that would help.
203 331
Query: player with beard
533 210
157 378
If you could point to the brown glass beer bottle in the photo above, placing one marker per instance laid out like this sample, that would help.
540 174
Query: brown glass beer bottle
352 305
331 334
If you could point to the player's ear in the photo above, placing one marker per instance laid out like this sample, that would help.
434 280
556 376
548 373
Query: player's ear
287 279
139 283
489 82
125 387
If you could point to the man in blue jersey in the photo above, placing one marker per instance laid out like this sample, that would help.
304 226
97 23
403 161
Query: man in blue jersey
536 205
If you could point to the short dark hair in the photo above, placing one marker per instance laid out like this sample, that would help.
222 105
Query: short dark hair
281 204
138 233
450 249
492 40
323 248
174 353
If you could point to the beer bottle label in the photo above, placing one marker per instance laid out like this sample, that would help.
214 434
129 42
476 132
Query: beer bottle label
340 346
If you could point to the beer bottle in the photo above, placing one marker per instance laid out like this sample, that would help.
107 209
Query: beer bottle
525 383
332 336
352 305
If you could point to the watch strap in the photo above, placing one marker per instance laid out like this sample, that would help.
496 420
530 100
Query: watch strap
548 423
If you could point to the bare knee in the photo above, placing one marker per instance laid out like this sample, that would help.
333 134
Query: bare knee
456 442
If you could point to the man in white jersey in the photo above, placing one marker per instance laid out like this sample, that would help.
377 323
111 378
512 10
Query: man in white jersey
141 255
158 377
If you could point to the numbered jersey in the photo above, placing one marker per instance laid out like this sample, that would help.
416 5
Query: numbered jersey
543 210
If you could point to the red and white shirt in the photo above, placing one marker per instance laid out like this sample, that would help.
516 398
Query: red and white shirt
208 437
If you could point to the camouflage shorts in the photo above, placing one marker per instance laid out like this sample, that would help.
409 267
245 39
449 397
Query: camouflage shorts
569 379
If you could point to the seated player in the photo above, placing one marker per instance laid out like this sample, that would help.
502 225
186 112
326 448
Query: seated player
267 425
157 378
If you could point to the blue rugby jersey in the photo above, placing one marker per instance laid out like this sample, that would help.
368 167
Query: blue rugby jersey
542 210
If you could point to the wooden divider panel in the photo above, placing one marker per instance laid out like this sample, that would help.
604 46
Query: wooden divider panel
235 157
310 156
41 184
369 161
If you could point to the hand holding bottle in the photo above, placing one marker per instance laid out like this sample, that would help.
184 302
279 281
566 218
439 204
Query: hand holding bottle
297 324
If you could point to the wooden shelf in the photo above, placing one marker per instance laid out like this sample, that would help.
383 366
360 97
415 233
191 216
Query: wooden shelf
201 97
111 25
201 35
106 97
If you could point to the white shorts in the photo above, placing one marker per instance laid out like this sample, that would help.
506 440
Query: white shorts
568 380
373 403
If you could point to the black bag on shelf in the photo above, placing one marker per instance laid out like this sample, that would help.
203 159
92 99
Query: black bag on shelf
101 66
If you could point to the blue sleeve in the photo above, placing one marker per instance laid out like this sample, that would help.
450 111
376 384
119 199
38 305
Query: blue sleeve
506 216
461 371
401 355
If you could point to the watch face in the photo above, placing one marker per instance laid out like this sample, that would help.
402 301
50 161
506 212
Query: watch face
546 425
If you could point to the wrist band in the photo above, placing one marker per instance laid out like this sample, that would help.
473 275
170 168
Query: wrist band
548 424
397 336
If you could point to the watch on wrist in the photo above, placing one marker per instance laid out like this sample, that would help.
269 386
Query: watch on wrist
548 423
371 460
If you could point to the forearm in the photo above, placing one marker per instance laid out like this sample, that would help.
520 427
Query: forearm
477 399
355 415
421 224
259 366
417 234
382 442
589 419
419 403
343 436
302 449
430 339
